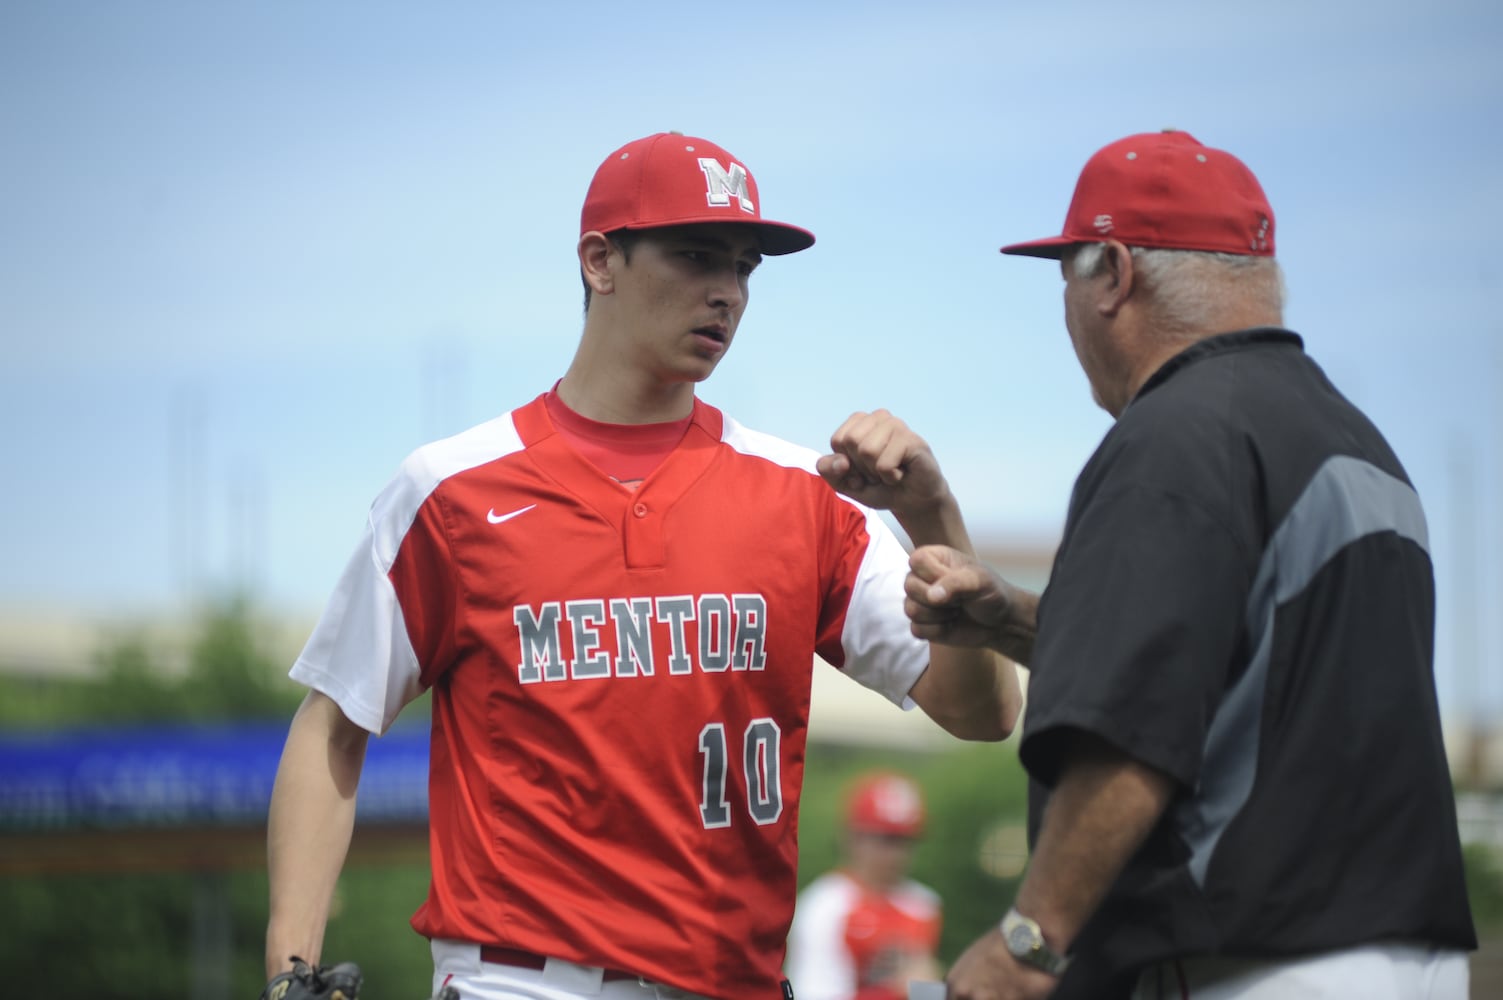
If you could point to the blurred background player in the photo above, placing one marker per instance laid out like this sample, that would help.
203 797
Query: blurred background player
862 931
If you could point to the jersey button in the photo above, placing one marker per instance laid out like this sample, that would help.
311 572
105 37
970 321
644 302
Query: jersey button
640 510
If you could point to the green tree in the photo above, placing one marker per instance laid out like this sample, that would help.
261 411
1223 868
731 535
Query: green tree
231 672
228 671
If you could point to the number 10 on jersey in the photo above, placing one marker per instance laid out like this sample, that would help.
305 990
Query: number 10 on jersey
761 763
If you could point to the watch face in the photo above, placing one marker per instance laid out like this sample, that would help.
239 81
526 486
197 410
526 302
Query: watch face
1026 943
1020 939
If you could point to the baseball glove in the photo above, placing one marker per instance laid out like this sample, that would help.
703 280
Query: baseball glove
322 982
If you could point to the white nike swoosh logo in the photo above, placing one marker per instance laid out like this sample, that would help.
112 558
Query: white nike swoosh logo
495 518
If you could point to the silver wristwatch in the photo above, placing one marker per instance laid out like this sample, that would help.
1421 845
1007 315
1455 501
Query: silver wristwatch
1025 942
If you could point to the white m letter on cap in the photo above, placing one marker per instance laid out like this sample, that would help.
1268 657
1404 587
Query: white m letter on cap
721 184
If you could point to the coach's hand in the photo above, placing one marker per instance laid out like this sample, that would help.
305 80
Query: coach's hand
956 600
987 971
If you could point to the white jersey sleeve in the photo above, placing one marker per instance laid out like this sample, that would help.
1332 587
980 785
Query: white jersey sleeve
881 650
360 653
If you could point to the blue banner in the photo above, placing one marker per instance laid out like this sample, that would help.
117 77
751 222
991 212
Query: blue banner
164 776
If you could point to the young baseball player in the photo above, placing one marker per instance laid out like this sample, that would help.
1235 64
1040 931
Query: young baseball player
615 594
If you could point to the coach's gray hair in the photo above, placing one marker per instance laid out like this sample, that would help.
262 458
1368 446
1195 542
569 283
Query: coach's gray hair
1189 287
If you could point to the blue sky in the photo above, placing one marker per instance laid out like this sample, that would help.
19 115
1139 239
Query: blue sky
253 254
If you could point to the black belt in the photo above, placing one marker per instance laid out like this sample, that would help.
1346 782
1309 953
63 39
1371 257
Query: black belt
517 958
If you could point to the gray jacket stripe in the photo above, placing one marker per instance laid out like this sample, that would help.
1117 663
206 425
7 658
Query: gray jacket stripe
1347 499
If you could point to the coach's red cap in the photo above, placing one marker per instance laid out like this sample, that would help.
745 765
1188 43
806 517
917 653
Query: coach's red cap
670 179
1168 191
885 803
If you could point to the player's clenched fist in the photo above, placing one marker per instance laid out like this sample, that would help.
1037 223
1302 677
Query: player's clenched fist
878 460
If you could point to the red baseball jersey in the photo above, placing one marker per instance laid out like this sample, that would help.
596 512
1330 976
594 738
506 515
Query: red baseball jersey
620 684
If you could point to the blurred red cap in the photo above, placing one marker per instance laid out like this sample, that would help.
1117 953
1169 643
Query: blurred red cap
886 803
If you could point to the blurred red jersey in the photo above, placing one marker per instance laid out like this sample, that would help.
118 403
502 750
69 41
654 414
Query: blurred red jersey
852 942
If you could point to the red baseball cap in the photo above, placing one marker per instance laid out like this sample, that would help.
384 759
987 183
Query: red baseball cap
885 803
672 179
1168 191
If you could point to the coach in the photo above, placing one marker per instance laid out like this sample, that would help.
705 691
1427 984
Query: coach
1238 784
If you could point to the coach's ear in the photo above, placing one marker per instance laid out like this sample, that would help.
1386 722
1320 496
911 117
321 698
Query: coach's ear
594 262
1117 267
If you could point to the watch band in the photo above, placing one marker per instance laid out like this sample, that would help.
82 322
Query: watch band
1025 942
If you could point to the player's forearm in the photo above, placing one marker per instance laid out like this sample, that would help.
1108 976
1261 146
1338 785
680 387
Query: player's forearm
309 826
935 521
1100 812
973 694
